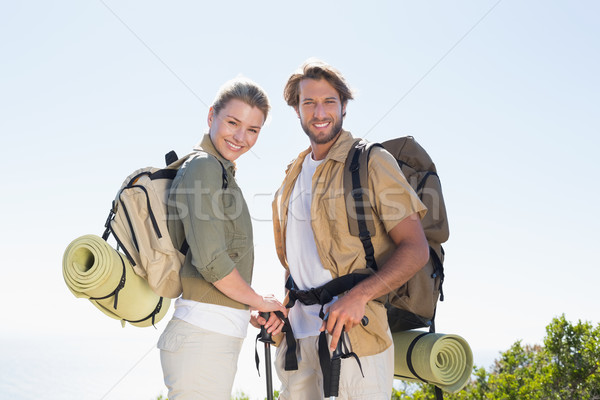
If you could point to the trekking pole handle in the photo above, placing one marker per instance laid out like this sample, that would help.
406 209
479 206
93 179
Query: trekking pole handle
336 364
265 336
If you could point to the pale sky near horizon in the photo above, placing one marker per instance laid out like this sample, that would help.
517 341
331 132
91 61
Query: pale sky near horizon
503 94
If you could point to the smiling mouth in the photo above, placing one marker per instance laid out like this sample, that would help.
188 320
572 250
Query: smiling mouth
321 124
232 146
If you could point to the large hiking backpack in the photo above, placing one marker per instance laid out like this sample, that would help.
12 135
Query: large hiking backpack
138 222
412 305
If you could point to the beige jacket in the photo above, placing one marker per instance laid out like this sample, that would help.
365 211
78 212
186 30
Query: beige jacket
340 252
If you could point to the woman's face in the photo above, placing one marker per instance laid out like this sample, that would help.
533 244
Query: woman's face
234 130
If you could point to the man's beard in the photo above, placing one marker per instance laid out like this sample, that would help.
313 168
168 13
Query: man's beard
322 139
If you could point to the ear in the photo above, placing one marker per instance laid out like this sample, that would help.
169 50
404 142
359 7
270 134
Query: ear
297 111
211 115
344 108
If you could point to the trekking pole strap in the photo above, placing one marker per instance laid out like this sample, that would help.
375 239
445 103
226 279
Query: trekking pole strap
331 365
321 295
291 361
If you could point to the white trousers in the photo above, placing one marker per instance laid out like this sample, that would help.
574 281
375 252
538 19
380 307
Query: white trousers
198 364
307 382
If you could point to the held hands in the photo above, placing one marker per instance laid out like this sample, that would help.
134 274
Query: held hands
344 314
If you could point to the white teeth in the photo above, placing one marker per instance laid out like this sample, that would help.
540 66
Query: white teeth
233 146
322 125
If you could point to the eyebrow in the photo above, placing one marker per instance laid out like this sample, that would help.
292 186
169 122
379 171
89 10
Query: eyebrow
326 98
237 120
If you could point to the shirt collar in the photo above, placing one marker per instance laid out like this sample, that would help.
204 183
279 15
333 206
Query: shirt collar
341 147
207 145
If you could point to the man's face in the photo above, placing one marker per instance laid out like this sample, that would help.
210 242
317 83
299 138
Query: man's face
320 110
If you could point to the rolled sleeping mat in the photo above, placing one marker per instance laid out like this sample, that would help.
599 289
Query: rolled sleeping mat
440 359
93 270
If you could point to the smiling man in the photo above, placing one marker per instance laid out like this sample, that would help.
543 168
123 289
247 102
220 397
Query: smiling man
314 245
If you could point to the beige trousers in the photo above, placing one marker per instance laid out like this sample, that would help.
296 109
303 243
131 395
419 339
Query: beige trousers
198 364
307 382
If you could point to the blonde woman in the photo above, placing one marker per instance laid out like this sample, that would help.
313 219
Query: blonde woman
201 344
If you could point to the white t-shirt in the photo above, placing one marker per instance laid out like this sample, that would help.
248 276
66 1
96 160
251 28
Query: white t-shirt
225 320
303 259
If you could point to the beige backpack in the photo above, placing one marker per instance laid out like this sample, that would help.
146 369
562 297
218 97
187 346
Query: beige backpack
138 222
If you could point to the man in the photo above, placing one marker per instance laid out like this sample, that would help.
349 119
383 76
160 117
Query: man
314 243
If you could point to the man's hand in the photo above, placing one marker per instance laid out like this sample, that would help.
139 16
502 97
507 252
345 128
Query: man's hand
344 314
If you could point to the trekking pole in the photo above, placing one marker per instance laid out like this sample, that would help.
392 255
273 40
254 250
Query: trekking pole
336 366
266 338
336 363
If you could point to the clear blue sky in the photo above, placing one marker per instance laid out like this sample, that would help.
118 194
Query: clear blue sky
504 95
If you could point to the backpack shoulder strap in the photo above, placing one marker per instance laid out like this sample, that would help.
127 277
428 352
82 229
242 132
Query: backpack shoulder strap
173 165
358 204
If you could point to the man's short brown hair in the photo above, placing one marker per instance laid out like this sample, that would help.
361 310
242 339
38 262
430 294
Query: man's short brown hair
315 69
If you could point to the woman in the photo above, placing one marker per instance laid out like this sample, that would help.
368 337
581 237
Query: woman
201 344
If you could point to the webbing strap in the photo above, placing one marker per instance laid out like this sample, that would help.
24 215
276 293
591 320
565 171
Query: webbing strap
438 269
323 295
291 361
120 286
330 366
358 196
184 247
438 392
115 292
409 356
151 315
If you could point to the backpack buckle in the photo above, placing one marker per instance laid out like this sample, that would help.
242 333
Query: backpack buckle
356 194
364 235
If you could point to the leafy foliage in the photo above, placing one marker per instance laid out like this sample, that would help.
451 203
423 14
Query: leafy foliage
566 367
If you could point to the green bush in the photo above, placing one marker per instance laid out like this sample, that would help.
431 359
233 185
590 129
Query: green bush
567 366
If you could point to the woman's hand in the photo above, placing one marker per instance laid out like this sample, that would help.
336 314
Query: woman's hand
269 303
273 326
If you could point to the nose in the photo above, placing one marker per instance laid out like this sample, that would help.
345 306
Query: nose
320 111
239 134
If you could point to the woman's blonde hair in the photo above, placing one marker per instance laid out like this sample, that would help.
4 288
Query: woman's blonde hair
243 89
